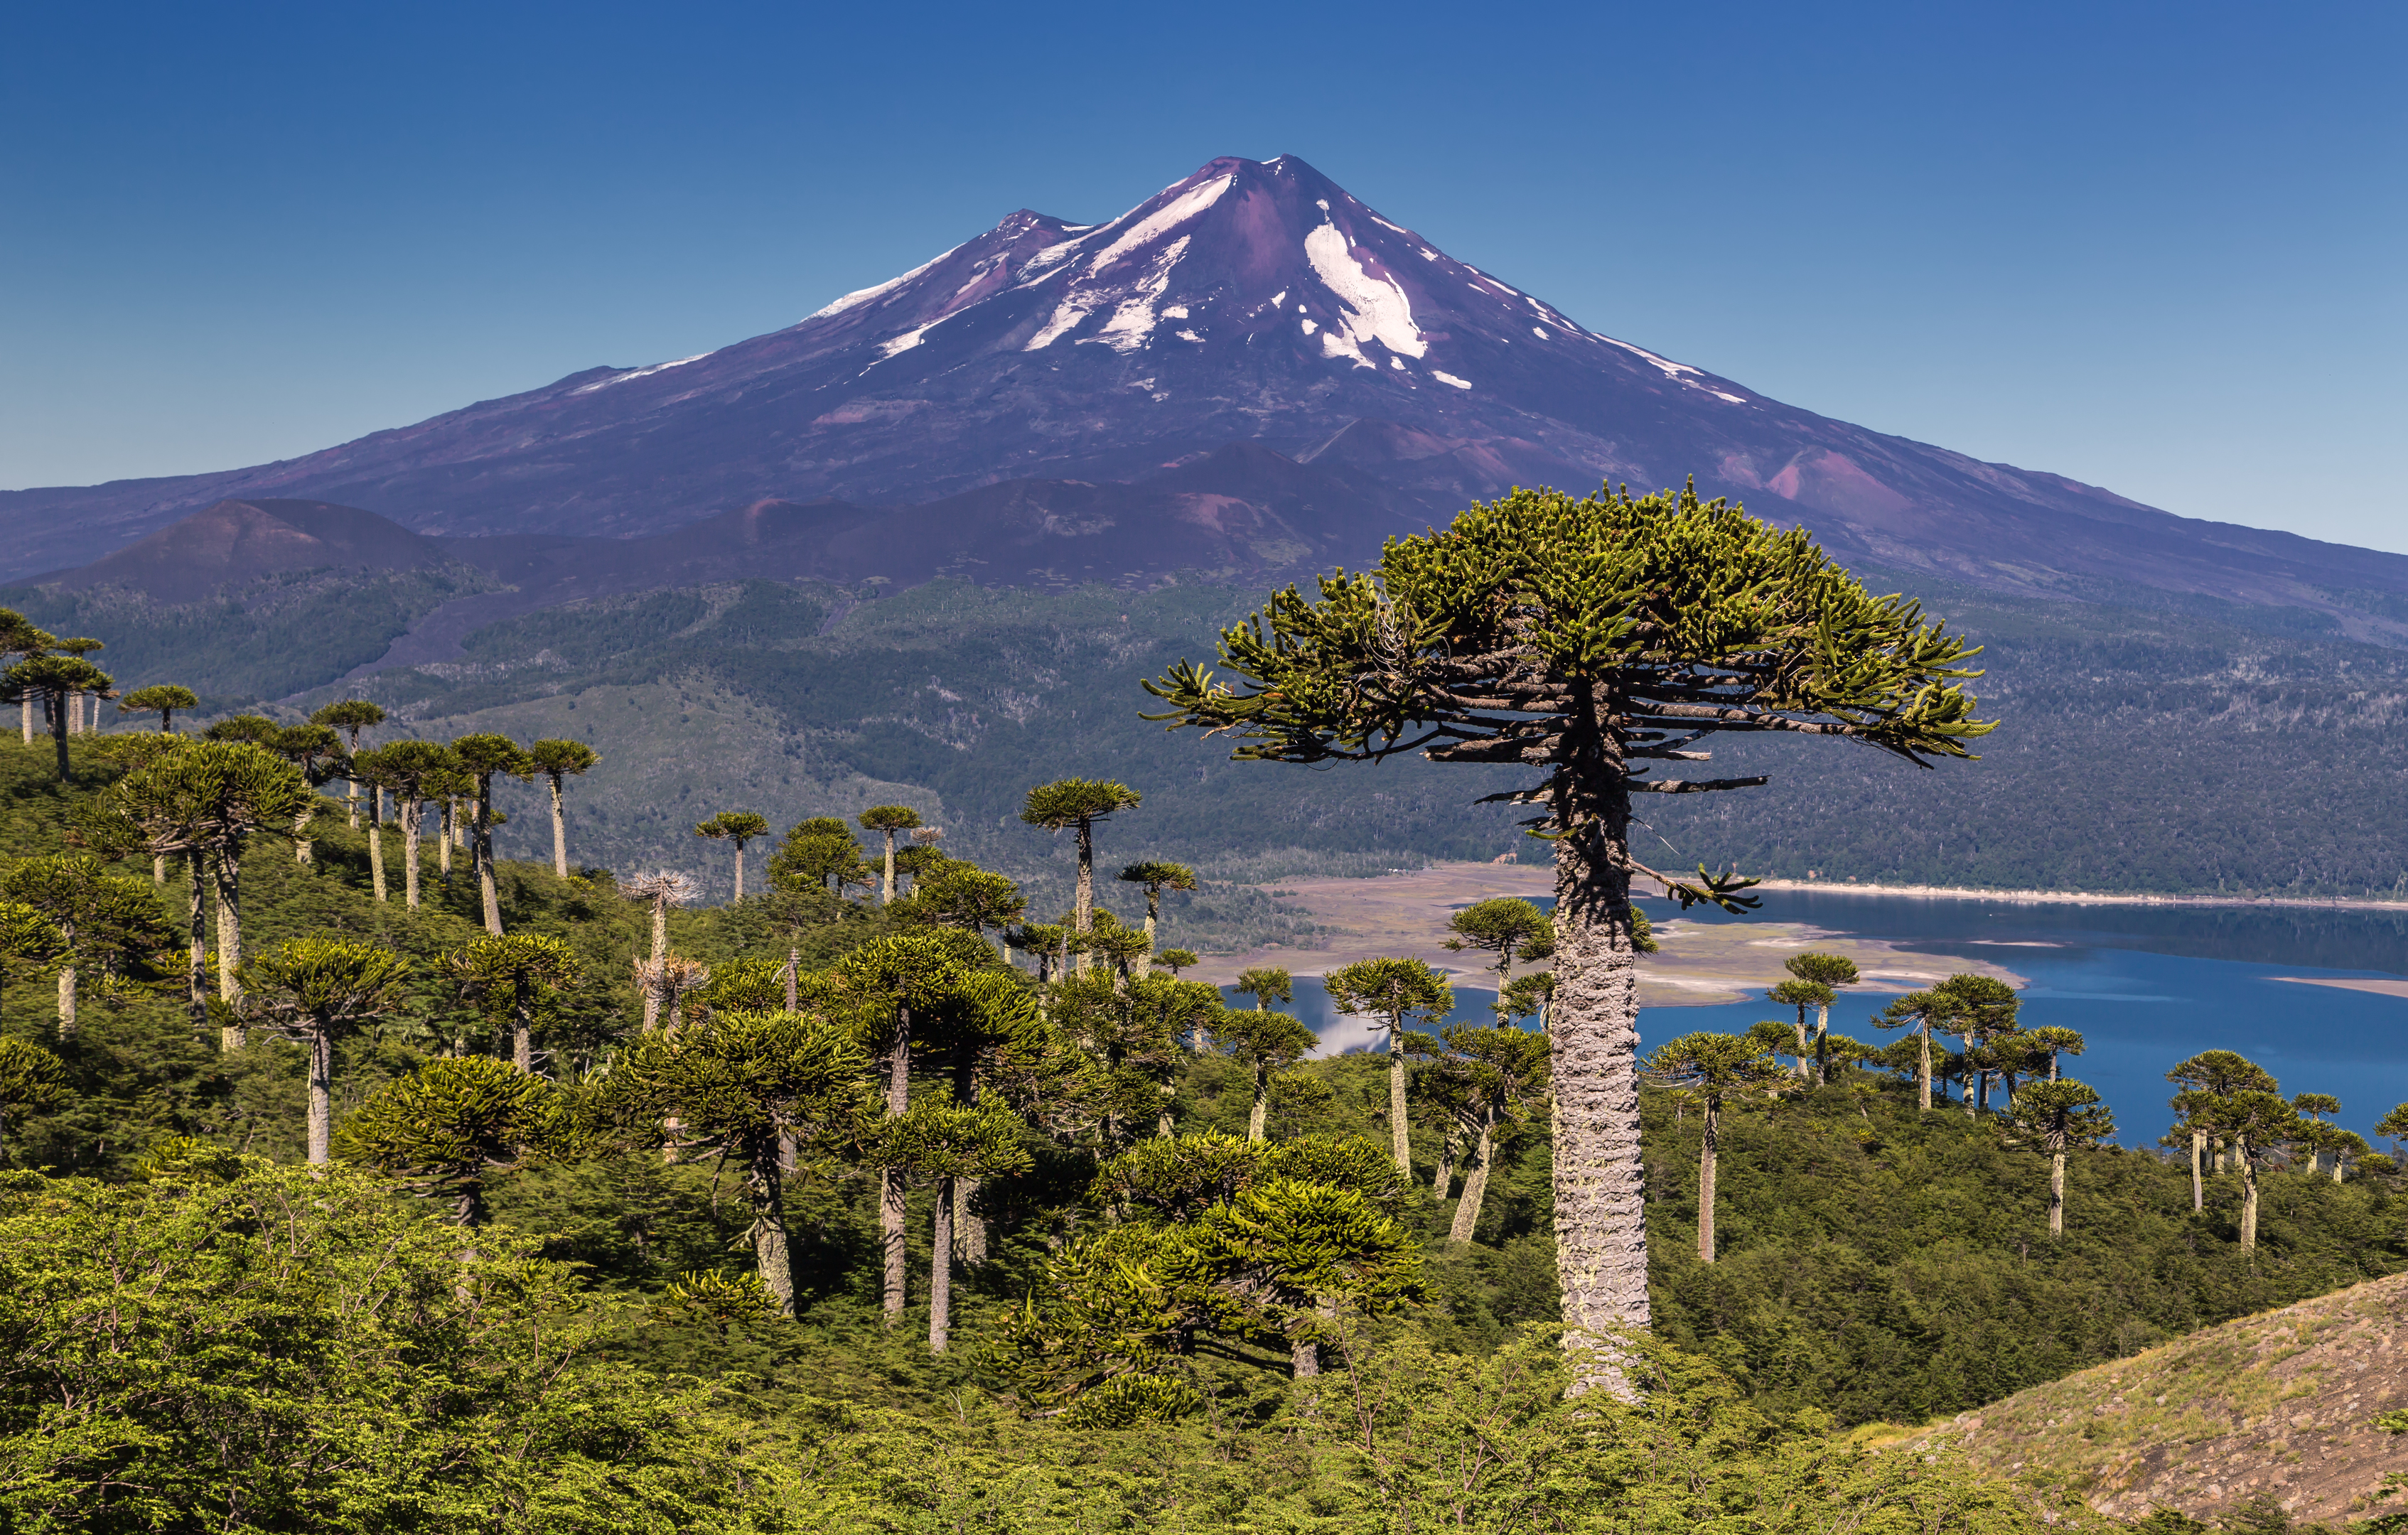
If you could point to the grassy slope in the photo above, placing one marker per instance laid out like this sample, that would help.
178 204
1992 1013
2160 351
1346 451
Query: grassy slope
2276 1404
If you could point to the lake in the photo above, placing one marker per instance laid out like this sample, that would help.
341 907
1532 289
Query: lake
2146 985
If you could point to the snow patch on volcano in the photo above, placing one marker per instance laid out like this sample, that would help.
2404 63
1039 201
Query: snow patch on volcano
859 296
1373 308
635 373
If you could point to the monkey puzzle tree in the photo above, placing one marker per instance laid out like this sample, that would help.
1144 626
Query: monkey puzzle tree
415 770
352 716
58 679
22 638
1804 994
481 756
1918 1012
513 979
2206 1078
165 699
1587 640
1712 1069
819 851
739 827
2048 1042
317 750
1157 877
99 919
962 894
31 1080
887 820
313 991
447 1128
1263 1041
1176 960
1982 1009
2049 1117
945 1142
1507 926
1041 941
210 799
660 890
2259 1126
743 1086
1399 993
1506 1069
1077 804
1822 969
558 760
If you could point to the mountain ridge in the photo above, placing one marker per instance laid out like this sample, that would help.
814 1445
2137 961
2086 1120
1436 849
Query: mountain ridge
1249 302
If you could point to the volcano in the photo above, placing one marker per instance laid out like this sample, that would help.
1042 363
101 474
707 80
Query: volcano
1250 371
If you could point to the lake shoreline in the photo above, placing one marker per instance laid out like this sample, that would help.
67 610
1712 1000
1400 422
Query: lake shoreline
2076 897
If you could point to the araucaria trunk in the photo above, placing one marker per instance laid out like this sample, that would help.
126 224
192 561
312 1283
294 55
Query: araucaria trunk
228 873
886 899
2198 1171
486 858
1923 1077
2248 1166
940 1270
1592 1040
891 1190
1821 1045
1256 1116
560 838
523 1025
376 861
1083 918
1708 1149
66 1001
1399 1137
1475 1184
413 812
2056 1194
197 972
771 1257
322 1095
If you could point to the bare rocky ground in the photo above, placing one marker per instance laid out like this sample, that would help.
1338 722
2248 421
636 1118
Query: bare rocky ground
2284 1401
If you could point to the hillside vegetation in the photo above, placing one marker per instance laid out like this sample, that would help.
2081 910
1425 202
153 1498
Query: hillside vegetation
1875 1264
2269 1416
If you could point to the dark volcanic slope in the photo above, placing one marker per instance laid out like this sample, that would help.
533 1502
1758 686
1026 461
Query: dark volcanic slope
1246 303
236 542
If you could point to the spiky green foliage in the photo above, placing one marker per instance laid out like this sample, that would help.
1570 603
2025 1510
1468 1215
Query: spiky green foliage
447 1129
518 982
1507 927
31 1080
165 699
2052 1118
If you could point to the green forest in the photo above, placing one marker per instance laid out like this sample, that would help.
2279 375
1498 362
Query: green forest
359 1176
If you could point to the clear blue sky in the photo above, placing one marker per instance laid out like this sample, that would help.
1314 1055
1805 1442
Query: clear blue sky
2157 247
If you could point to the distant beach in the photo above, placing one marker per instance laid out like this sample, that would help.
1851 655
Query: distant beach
2075 898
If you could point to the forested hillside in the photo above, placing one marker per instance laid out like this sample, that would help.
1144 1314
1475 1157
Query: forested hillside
1873 1263
2146 744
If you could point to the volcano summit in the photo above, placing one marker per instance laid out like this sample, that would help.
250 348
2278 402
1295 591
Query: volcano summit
1251 371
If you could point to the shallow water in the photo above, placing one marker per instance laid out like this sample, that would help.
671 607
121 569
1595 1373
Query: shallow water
2144 985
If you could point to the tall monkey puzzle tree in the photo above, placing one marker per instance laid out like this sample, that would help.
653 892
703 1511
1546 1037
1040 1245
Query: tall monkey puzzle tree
98 918
1713 1069
449 1126
2049 1117
887 820
1587 640
557 760
414 770
1262 1041
2207 1078
1509 927
736 826
482 757
165 699
1156 876
1079 803
210 799
313 991
351 716
1399 993
512 978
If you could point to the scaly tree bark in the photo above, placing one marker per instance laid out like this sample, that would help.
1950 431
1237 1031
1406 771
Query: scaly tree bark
1587 640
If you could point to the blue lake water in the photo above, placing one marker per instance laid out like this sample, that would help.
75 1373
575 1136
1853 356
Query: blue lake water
2144 985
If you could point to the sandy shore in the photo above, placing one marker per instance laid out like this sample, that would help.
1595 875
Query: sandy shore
1405 915
2074 897
2380 988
